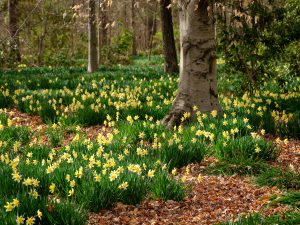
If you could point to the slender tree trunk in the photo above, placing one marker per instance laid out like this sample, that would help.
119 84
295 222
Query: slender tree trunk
134 49
153 31
41 39
100 15
13 16
150 24
104 22
125 15
171 64
198 80
92 31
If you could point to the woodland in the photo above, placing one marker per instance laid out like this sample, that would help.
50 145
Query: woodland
150 112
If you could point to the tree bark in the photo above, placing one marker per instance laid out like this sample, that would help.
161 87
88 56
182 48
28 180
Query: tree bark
171 64
150 24
198 80
92 33
134 49
102 29
13 17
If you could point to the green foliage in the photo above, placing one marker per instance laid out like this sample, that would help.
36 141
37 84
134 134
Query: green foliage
291 198
55 136
289 218
118 51
178 155
238 167
66 213
279 177
246 148
253 43
13 134
166 188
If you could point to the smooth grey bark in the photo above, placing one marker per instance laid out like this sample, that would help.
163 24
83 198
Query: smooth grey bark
92 34
13 17
198 79
170 55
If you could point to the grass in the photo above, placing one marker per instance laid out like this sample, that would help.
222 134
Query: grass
239 167
290 218
279 177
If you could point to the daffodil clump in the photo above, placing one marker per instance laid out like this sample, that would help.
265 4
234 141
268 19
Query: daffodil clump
42 181
59 181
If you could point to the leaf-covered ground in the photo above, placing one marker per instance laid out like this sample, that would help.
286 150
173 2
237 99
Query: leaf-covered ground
212 199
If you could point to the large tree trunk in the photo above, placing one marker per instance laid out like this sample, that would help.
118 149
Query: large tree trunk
134 49
13 17
198 80
92 33
171 64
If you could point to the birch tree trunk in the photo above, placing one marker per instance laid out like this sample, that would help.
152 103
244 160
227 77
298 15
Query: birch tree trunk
198 80
13 17
171 64
92 33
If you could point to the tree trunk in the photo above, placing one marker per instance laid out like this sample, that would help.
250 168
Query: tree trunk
198 80
134 50
153 31
13 17
150 24
103 24
171 64
92 33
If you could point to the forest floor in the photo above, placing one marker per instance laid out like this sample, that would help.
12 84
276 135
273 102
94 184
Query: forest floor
211 198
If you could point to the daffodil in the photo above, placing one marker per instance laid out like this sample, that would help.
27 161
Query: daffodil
9 207
30 220
20 220
151 173
15 202
39 214
199 178
174 171
71 192
52 188
123 186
